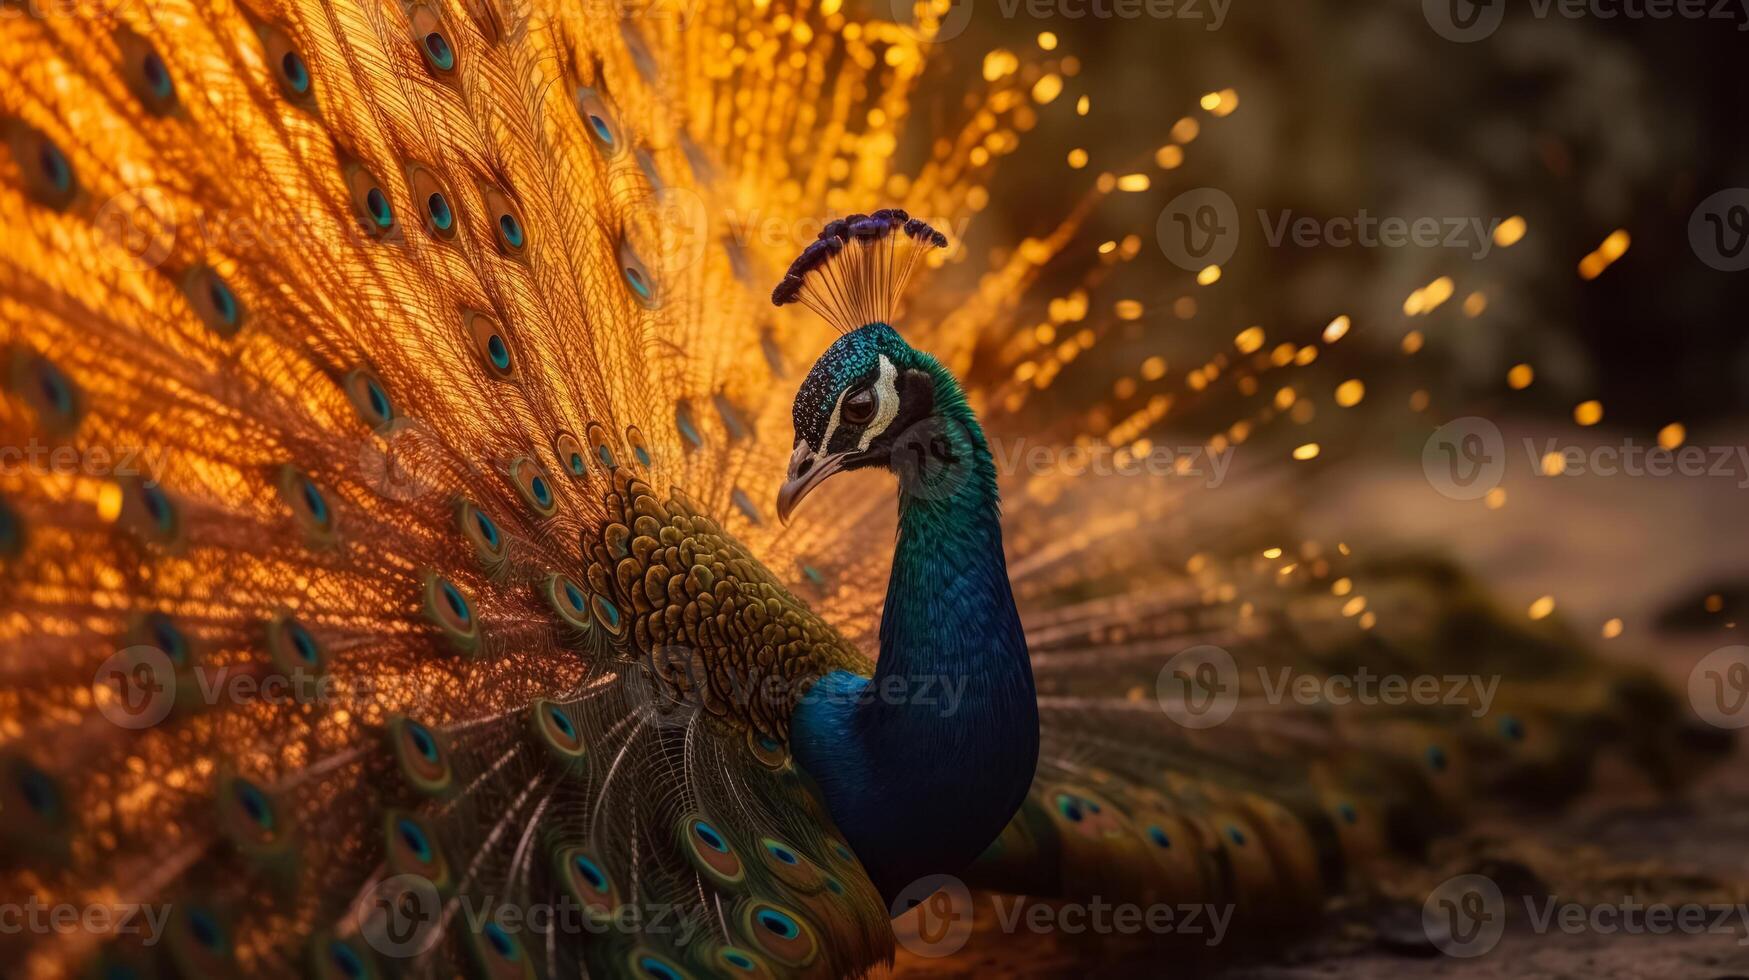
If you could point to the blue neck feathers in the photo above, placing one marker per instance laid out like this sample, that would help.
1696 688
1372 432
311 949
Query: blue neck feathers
923 764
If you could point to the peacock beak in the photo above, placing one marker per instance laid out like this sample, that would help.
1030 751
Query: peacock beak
807 470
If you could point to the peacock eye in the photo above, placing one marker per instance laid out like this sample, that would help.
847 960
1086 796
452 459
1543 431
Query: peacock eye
859 406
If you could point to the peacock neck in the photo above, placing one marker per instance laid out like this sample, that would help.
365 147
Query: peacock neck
923 764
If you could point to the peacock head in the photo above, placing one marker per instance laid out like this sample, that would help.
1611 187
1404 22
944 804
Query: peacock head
871 390
868 390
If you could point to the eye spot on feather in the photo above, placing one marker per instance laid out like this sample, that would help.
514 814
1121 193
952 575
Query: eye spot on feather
709 851
294 73
602 448
570 454
336 958
1347 813
640 448
1436 759
1236 835
159 631
480 531
499 953
375 215
533 485
569 602
143 508
637 276
422 759
309 506
770 752
213 301
46 389
491 344
1159 838
683 423
791 866
1069 807
35 805
642 59
200 940
647 164
652 966
450 611
1511 728
508 229
48 174
587 882
11 532
780 934
369 398
433 200
733 421
553 727
744 504
145 72
413 848
740 962
292 647
600 120
250 815
432 36
288 65
607 614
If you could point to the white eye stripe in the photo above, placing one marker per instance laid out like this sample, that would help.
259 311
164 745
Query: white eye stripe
832 424
886 391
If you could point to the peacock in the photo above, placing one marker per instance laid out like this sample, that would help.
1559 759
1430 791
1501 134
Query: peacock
406 531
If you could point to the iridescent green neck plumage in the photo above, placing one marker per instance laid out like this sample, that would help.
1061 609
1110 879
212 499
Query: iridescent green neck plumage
923 765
